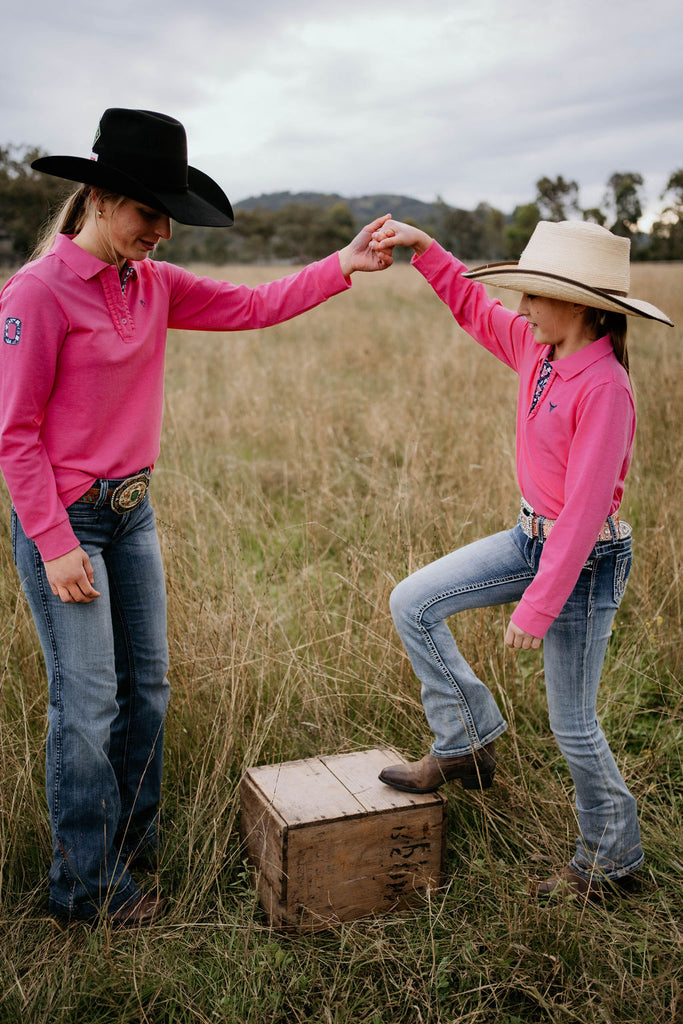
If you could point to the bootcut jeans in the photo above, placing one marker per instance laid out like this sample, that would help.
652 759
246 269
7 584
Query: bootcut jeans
106 667
461 710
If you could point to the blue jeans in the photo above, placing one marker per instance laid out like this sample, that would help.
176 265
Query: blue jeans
460 708
106 667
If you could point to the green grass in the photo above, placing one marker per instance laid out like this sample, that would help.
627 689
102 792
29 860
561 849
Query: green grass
304 471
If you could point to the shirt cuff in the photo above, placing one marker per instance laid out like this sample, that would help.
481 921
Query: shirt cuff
531 621
57 541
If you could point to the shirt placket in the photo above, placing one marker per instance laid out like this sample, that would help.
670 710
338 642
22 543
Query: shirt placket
117 304
542 385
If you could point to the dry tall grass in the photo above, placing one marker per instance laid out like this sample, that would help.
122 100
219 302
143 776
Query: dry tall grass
304 470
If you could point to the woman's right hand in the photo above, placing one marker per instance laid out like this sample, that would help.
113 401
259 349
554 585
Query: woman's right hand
71 577
395 232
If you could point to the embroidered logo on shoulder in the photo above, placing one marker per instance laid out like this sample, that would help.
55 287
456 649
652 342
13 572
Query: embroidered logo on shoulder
12 330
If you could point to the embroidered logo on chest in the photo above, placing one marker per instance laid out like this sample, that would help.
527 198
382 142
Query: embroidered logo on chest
553 405
12 330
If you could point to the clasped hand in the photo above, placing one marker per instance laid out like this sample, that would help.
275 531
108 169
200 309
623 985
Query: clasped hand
71 577
394 232
360 254
519 640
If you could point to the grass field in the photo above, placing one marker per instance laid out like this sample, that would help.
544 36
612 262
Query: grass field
305 470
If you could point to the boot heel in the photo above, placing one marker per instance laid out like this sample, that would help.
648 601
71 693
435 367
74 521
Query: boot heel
482 781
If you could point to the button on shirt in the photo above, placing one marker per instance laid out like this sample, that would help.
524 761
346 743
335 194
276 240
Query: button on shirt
574 443
81 371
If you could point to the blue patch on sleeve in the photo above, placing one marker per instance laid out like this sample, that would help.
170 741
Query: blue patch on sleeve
12 330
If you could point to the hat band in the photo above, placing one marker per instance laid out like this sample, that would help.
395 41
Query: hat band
614 291
512 269
160 174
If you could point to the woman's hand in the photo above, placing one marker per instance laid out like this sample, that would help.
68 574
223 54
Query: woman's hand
358 254
395 232
71 577
521 641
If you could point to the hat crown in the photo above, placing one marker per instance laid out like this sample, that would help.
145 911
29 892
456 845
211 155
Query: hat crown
142 155
579 251
148 146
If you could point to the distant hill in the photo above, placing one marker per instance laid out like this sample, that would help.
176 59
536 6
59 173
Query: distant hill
362 207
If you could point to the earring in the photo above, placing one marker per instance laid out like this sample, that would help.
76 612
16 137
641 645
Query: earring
99 213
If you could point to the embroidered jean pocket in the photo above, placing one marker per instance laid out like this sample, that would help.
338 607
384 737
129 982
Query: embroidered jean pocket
622 568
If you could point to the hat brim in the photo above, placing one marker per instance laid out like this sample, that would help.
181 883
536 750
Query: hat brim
203 204
552 286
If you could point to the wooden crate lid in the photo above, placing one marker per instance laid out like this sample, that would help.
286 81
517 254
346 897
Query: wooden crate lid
333 787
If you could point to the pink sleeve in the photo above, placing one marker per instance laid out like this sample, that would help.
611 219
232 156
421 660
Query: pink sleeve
492 325
599 451
199 303
27 373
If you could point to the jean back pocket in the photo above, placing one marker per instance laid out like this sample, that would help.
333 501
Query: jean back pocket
622 569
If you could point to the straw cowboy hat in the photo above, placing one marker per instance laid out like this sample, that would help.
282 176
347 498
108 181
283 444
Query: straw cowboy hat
143 155
576 261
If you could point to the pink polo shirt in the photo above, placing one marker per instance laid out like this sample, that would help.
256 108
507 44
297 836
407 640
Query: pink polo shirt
573 450
82 364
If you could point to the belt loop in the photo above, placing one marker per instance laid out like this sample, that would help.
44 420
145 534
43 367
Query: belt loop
540 521
612 528
102 497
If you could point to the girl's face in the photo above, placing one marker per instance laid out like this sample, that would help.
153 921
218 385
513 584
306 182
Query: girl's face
132 228
550 320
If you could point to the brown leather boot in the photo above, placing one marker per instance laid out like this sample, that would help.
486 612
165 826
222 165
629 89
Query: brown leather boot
568 882
141 911
475 771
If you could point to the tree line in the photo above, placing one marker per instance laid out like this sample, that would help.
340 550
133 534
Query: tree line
297 229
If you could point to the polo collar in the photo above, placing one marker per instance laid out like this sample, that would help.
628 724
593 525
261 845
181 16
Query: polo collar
82 263
576 363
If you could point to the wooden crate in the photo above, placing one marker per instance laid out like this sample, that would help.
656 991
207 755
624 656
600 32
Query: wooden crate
332 843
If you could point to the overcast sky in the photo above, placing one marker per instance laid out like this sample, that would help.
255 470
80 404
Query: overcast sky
468 101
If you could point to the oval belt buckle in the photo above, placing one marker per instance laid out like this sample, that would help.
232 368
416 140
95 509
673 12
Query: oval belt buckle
130 493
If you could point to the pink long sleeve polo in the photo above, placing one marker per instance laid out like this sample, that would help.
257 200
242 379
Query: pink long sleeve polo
573 450
82 364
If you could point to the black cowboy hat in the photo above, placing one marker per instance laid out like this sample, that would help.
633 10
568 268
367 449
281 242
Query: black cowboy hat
143 155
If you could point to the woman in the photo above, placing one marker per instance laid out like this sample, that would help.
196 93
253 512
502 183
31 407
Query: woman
568 558
81 388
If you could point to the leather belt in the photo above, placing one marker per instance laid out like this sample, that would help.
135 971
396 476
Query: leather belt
534 525
123 496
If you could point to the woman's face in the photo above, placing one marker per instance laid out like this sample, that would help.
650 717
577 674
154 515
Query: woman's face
549 320
132 228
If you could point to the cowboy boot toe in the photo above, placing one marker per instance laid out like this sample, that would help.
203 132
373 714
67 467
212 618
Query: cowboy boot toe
419 777
475 771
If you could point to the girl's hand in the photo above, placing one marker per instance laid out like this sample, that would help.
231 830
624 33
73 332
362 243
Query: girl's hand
71 577
521 641
359 255
395 232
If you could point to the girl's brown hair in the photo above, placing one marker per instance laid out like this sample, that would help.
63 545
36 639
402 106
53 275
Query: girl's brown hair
601 322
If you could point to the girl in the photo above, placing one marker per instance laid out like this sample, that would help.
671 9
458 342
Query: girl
568 558
81 389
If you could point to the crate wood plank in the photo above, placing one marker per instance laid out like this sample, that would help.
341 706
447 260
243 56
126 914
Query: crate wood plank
305 791
264 833
380 866
360 776
335 877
